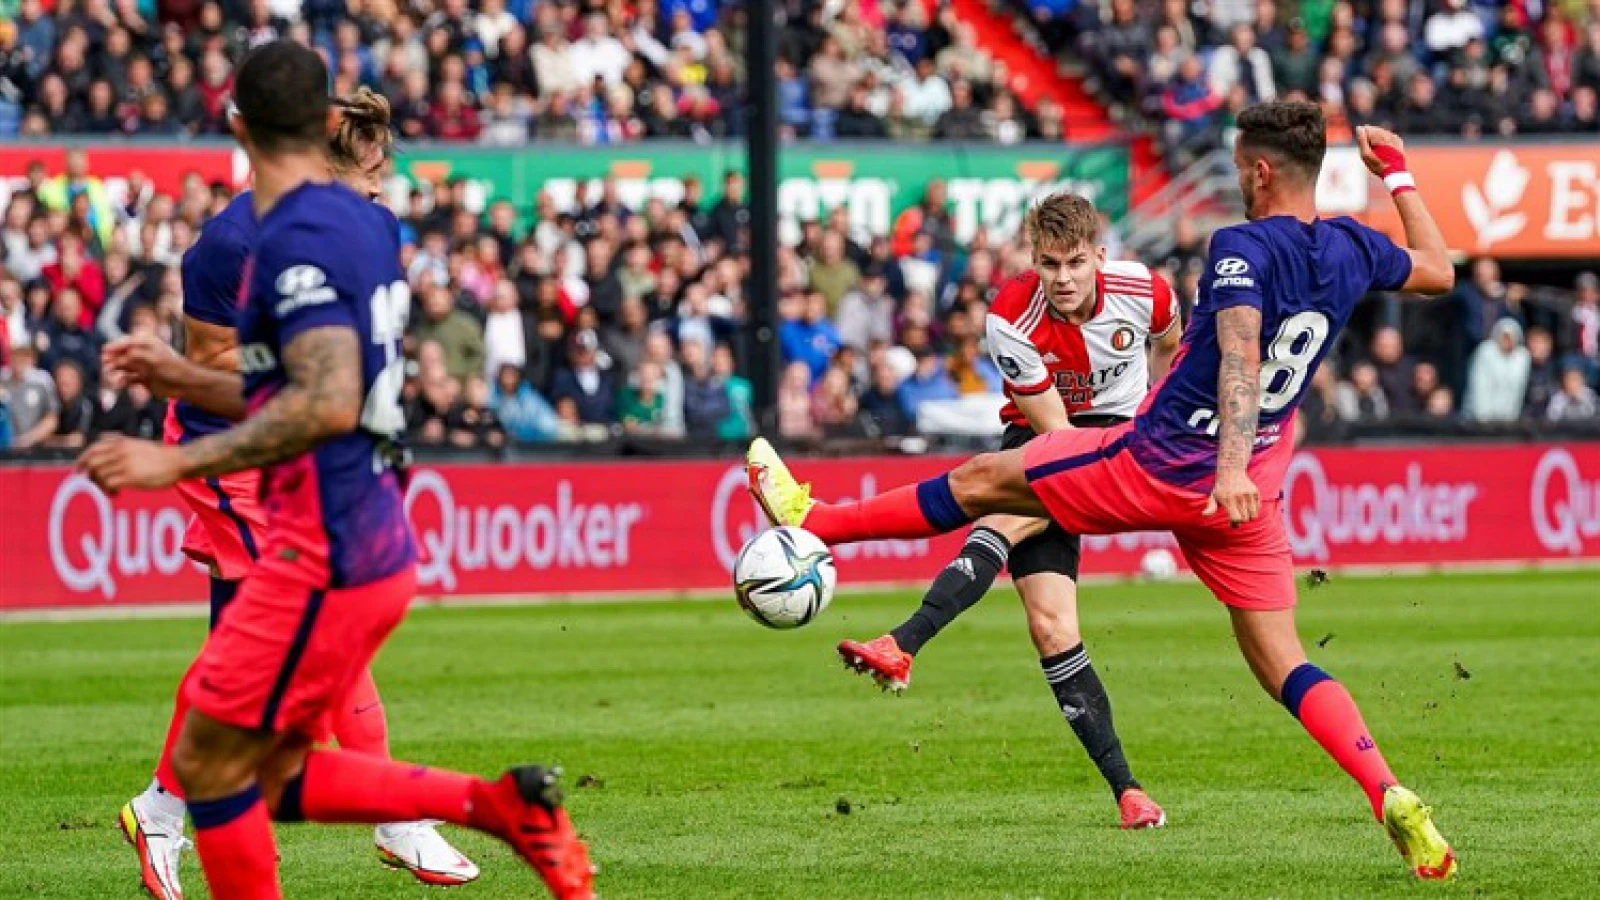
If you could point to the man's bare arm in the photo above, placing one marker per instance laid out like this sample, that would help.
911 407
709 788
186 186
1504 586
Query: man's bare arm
1162 351
212 346
1238 385
322 399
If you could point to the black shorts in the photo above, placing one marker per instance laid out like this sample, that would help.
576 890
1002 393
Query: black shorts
1054 549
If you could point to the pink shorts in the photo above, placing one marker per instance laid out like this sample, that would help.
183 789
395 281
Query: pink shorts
288 652
228 522
1091 484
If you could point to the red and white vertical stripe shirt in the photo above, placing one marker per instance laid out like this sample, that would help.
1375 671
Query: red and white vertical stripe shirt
1099 367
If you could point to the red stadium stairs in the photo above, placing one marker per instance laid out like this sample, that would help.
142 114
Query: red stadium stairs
1034 77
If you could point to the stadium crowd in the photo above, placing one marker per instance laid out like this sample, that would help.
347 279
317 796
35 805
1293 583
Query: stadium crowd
602 321
506 71
1465 68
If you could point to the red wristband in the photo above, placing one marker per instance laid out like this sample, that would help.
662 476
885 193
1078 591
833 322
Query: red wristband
1395 175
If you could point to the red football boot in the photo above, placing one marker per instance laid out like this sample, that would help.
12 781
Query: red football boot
1139 811
882 658
523 809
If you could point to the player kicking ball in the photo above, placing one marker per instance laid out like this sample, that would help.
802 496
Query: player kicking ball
228 520
1070 341
319 355
1206 455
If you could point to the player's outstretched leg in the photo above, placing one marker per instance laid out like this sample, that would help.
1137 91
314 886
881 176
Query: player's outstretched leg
956 589
416 847
1272 647
522 808
986 484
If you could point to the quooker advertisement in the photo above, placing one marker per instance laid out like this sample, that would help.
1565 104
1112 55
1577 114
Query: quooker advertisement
612 528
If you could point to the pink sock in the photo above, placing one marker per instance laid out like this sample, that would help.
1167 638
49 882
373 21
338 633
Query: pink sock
1329 714
345 786
233 837
360 725
907 512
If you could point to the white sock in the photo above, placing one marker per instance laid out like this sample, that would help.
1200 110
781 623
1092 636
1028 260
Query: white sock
156 801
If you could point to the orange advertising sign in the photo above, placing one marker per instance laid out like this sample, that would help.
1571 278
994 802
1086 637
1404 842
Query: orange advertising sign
1507 200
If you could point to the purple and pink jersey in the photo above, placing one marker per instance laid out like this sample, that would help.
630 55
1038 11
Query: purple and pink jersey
325 257
1306 279
213 272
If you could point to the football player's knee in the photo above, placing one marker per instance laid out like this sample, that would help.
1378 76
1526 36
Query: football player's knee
206 775
976 484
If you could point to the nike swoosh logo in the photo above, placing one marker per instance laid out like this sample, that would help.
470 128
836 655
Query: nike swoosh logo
368 708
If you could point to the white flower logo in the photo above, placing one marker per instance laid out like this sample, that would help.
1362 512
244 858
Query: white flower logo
1487 207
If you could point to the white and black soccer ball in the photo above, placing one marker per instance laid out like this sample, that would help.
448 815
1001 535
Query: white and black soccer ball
784 577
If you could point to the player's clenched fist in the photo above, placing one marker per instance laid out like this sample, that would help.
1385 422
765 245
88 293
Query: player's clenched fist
116 463
1236 495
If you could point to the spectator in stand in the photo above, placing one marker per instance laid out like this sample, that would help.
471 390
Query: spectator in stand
77 410
1190 105
963 121
31 399
1576 401
457 333
1544 375
881 413
591 389
866 314
1395 371
1362 398
505 338
1498 376
526 416
1585 324
1296 68
472 420
1424 384
739 424
77 270
1319 420
833 403
929 382
972 371
642 408
833 273
658 350
794 403
706 404
1240 61
64 337
807 335
1441 405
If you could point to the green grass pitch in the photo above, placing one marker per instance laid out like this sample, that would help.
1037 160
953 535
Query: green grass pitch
719 759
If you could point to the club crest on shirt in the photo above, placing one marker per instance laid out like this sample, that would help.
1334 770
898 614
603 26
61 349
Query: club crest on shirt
1123 337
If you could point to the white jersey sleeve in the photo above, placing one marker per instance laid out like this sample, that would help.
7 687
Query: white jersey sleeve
1016 357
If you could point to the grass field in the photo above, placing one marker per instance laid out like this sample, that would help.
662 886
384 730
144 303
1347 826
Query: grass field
728 761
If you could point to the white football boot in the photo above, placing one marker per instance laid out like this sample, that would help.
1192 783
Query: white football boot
418 848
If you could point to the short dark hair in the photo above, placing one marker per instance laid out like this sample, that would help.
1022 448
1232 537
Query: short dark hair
1293 133
281 92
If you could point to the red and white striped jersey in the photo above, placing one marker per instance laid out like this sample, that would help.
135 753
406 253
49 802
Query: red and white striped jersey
1100 366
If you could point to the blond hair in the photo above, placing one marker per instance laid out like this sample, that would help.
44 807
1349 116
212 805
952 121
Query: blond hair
1064 221
363 123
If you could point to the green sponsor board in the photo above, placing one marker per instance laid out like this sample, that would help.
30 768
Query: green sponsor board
987 186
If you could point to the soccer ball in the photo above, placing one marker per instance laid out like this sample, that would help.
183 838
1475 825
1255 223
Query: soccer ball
1158 564
784 577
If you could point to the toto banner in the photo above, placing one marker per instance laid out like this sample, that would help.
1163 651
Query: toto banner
567 529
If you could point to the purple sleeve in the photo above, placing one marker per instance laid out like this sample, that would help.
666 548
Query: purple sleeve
300 286
1391 264
1233 271
212 270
